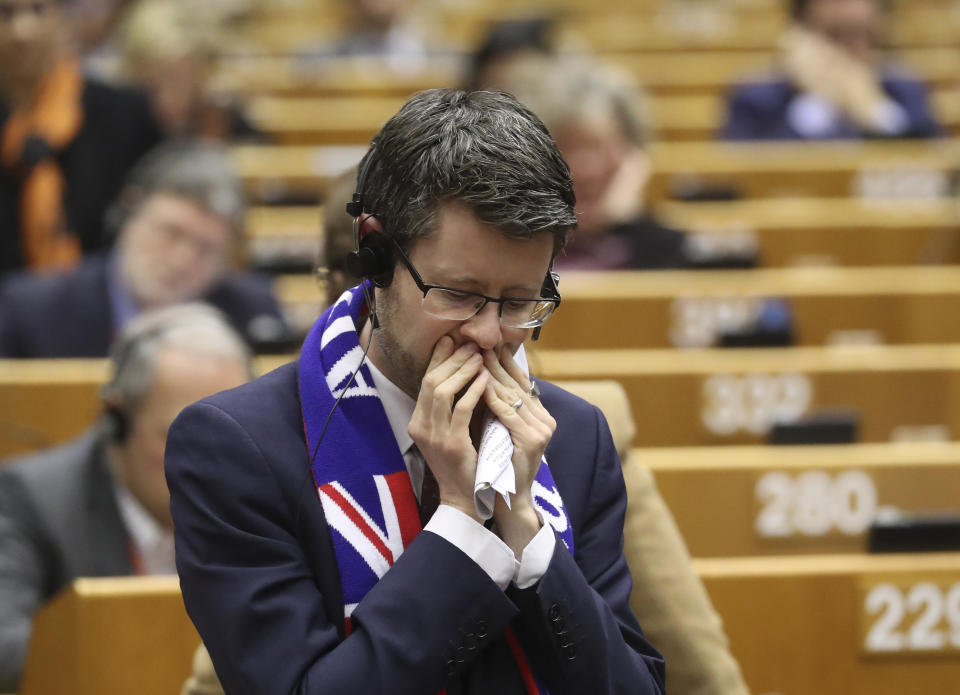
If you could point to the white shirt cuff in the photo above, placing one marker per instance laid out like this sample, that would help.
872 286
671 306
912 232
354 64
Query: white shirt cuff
535 558
479 544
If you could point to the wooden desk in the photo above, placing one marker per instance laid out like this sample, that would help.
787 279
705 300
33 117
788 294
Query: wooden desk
905 169
691 309
785 232
764 500
111 636
706 397
828 231
606 27
661 309
813 624
678 398
712 72
355 119
49 401
45 402
709 72
253 74
277 172
334 120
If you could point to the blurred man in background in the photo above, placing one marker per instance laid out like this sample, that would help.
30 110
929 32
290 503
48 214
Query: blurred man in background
178 220
831 82
66 142
98 506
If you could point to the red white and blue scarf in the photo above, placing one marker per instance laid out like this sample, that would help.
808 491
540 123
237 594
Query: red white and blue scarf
361 478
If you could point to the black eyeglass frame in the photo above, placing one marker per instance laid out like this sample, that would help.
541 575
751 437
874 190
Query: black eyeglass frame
549 285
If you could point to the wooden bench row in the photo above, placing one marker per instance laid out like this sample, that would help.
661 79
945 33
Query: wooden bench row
831 625
337 120
782 232
663 73
732 501
678 398
825 231
668 27
701 397
901 169
841 624
693 309
776 500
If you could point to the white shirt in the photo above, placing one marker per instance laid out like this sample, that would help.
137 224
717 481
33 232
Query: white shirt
480 544
151 540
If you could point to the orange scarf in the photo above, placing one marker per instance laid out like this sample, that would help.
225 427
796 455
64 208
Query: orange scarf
55 119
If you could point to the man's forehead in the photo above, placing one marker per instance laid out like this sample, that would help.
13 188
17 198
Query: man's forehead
463 251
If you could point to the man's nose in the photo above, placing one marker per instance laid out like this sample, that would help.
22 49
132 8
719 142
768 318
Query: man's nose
184 253
484 327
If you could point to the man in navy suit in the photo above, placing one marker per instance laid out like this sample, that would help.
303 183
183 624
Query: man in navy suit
831 82
177 220
326 583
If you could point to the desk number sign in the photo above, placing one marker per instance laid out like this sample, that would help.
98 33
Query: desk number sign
911 617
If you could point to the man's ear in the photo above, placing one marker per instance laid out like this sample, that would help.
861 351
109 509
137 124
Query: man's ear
115 419
366 224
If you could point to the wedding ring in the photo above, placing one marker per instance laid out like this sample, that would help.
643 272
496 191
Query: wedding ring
534 389
516 406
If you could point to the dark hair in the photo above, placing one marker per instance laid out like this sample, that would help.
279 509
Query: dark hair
198 170
506 38
482 149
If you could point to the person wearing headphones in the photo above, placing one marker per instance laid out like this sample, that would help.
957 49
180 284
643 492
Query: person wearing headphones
178 221
98 506
403 509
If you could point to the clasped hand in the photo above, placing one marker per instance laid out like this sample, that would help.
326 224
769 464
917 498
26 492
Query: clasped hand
446 430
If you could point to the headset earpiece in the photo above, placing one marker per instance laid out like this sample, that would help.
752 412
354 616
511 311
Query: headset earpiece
116 424
374 257
549 288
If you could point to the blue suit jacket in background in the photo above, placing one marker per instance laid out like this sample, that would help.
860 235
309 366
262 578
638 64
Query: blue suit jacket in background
758 110
260 580
69 314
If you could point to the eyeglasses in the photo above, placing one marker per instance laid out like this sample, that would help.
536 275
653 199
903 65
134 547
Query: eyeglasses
460 305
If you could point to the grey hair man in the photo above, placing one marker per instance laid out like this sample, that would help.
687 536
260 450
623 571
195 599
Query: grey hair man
340 546
177 222
98 506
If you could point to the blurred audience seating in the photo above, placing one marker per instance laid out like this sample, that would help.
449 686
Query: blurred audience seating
777 533
783 232
661 309
685 170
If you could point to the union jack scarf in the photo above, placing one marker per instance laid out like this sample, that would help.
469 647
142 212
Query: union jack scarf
361 478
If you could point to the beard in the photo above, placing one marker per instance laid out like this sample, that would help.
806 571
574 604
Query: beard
402 367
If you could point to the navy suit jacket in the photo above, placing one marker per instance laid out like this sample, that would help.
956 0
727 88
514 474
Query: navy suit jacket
260 580
759 110
70 315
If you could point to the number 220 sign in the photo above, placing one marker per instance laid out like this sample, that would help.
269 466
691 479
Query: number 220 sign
921 616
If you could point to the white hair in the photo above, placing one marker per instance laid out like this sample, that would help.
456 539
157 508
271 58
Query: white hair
195 328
